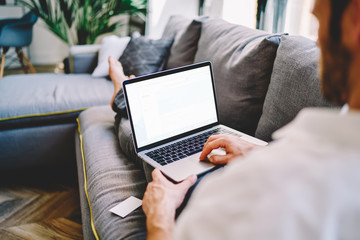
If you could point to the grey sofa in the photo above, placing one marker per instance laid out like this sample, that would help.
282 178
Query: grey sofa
38 116
262 81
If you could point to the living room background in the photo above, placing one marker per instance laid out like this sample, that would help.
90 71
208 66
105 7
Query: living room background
46 48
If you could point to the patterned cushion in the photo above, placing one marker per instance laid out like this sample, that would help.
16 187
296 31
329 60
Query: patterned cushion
144 56
294 85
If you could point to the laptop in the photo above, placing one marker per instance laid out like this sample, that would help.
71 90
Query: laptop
172 114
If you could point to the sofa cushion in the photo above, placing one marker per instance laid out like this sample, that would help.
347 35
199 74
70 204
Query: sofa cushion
186 34
82 58
107 177
44 99
110 46
143 56
242 61
294 84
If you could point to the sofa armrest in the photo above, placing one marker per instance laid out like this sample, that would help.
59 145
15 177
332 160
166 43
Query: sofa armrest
82 58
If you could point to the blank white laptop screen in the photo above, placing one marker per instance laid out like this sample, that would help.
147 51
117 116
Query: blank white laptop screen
169 105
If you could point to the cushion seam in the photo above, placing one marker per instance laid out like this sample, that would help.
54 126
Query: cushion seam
42 114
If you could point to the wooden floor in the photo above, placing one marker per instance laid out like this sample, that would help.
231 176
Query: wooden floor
40 203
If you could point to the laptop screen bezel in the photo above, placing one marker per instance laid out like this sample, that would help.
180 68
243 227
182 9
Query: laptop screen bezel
160 74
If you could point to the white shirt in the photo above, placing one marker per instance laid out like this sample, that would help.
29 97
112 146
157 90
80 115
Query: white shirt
304 185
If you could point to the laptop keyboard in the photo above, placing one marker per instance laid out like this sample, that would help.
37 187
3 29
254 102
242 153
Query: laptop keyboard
184 148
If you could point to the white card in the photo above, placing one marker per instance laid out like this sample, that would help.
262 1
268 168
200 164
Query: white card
126 206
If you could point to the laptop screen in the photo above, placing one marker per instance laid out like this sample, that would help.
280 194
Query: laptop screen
175 102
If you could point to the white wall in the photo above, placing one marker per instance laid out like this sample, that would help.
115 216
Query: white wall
46 48
300 20
241 12
160 11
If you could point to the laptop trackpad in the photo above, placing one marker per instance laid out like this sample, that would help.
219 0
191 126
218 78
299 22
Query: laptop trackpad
182 169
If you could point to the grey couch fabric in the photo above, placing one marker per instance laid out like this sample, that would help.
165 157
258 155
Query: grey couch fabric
186 34
38 112
48 93
294 85
242 62
35 146
110 176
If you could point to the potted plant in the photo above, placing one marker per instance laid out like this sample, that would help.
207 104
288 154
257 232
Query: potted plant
82 21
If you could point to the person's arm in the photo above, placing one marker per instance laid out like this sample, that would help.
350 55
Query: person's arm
160 202
233 145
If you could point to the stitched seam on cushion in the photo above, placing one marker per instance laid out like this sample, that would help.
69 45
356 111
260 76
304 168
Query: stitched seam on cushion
42 114
85 180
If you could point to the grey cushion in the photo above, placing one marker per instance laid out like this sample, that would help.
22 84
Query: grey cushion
111 178
40 99
143 56
38 111
242 59
294 84
186 34
34 146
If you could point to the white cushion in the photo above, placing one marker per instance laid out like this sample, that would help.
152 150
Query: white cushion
110 46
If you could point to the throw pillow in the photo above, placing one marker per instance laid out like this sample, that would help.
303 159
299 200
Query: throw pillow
186 34
110 46
242 61
294 85
144 56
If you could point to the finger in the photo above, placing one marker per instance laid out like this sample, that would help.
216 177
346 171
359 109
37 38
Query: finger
210 139
159 177
220 142
131 76
188 182
220 159
155 174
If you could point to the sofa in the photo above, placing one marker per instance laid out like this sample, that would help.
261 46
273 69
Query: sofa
262 81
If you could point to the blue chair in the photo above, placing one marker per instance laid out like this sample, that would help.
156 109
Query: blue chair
17 32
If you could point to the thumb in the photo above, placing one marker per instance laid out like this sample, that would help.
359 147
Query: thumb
188 182
219 159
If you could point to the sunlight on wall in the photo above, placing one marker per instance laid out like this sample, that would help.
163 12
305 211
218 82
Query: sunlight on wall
299 19
160 11
240 12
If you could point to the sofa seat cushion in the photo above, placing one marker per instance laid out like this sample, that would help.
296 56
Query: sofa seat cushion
294 85
106 177
47 99
242 62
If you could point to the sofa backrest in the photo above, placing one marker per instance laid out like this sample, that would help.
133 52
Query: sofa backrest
186 34
294 85
242 61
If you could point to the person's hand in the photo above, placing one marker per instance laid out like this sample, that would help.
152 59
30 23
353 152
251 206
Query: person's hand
233 145
160 202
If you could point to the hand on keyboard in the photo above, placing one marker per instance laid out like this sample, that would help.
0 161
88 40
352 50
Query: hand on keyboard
233 145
